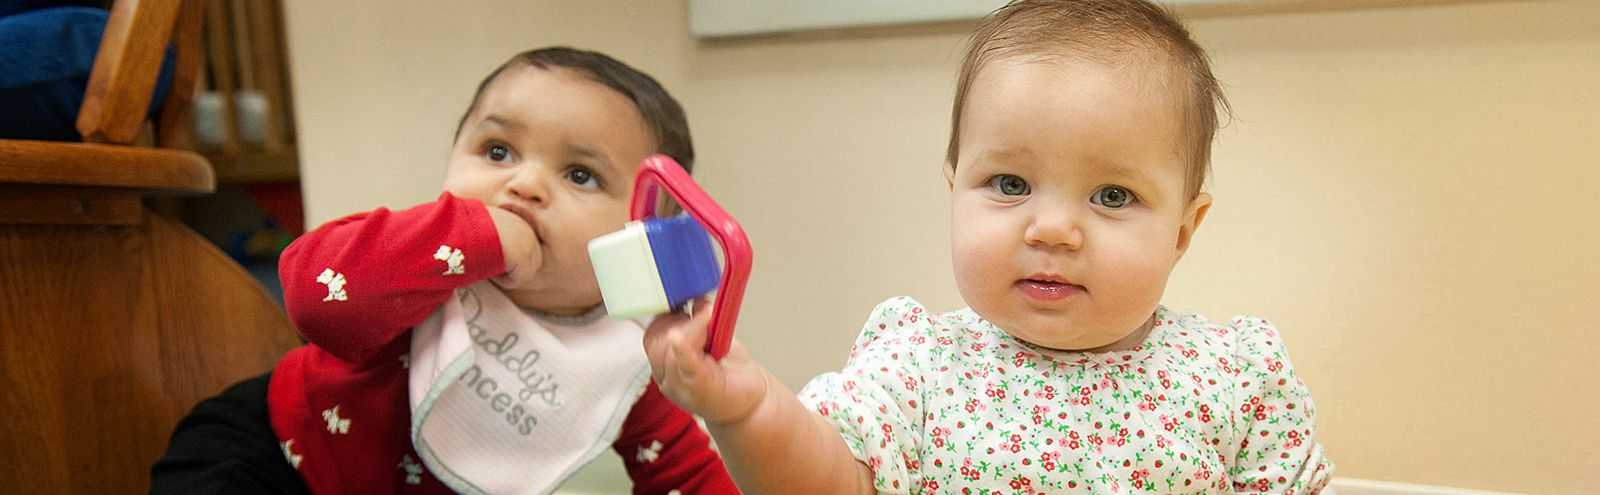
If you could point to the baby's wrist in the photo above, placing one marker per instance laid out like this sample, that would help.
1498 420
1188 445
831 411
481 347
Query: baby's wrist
764 401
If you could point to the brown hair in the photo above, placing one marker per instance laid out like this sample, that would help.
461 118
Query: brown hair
661 112
1101 29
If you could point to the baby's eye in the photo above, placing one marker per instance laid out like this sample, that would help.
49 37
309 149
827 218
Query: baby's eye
1113 197
497 153
1009 185
583 177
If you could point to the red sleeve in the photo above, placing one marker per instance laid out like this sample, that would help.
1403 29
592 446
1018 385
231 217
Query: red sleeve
664 450
355 284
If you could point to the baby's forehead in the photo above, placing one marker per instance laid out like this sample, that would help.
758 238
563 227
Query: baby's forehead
529 94
1123 115
1056 85
1154 71
1162 89
551 79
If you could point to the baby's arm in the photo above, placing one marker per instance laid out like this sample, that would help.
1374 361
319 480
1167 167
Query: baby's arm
355 284
1274 418
771 442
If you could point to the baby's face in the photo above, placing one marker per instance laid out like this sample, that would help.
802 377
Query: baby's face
561 150
1068 210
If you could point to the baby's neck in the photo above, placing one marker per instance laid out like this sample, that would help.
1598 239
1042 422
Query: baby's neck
570 318
1132 340
1126 343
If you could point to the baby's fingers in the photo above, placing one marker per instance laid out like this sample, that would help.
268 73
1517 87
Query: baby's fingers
656 341
674 344
685 351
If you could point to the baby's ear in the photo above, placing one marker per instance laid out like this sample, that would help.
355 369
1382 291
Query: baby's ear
1192 217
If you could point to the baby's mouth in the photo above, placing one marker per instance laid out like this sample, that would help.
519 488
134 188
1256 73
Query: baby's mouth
527 216
1049 288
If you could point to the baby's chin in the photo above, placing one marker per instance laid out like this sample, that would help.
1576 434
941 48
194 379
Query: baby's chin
1067 337
558 301
1068 344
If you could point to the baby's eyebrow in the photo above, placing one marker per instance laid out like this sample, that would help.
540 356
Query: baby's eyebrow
593 154
509 124
1122 171
1009 156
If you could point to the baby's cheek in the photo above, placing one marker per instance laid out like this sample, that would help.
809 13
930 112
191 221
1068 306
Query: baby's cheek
974 259
578 251
468 189
1137 278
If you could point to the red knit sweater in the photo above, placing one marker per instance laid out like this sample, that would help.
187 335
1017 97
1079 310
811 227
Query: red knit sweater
354 288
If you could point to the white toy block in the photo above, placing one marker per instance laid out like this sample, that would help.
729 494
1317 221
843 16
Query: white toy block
625 268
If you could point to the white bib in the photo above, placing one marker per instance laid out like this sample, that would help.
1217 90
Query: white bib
503 403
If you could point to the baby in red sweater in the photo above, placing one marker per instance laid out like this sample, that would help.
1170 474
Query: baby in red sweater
543 162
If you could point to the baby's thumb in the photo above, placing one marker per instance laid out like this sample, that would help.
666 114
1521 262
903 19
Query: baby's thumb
674 344
686 344
657 343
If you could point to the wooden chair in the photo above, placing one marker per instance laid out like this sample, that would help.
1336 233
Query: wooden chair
244 52
115 321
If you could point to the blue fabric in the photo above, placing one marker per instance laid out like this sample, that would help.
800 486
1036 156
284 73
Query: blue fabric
46 57
13 7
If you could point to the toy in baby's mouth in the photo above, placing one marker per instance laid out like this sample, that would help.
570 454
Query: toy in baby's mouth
656 265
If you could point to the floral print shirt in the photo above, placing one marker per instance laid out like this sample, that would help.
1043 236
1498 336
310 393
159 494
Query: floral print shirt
950 403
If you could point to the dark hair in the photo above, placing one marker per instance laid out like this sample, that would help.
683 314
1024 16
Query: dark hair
661 112
1105 29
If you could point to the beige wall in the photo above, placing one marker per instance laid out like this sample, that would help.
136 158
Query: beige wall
1408 193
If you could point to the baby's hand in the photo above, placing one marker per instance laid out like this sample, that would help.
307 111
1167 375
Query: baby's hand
723 392
520 245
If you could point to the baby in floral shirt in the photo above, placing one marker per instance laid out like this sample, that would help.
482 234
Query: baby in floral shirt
1081 138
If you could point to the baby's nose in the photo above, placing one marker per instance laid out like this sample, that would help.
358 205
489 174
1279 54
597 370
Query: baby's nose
1055 227
528 185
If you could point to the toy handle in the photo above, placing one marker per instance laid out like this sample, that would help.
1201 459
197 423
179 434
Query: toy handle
659 171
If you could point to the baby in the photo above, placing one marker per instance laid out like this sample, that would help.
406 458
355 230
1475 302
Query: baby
1081 140
460 345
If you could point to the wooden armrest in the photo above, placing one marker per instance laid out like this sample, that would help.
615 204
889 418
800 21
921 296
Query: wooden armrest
99 165
125 70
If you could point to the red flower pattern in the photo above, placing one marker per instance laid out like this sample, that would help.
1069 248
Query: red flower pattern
1009 419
